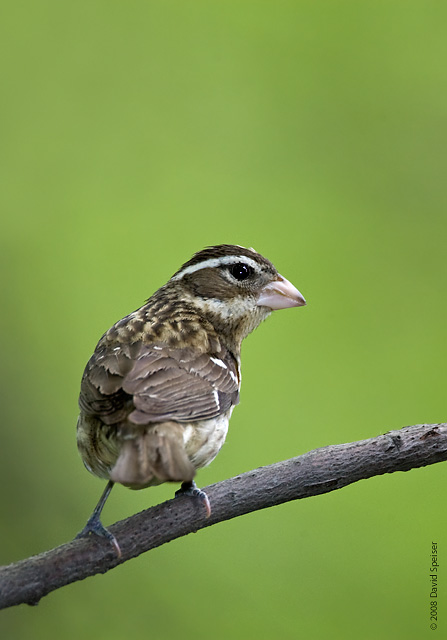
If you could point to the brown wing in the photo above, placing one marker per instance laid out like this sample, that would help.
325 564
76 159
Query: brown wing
152 383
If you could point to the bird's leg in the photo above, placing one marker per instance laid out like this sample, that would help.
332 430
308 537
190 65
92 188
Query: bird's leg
94 524
190 489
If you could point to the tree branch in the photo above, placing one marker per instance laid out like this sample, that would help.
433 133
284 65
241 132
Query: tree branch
313 473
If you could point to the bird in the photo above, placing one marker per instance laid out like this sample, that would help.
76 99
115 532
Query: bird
158 392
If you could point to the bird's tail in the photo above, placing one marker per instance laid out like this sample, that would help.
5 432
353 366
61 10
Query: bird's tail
153 456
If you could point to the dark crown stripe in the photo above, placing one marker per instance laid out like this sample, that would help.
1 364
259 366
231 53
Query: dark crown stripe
224 250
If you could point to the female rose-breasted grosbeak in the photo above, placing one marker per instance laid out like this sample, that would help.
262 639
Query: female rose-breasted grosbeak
158 392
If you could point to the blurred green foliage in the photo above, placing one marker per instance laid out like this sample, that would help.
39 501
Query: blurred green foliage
136 133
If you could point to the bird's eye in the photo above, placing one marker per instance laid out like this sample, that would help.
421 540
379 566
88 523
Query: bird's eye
241 271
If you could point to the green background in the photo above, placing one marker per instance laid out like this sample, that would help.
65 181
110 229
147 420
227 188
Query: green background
135 133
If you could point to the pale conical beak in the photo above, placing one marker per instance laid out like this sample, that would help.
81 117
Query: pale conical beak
280 294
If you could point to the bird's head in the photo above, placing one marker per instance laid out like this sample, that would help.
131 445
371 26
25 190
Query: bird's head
234 287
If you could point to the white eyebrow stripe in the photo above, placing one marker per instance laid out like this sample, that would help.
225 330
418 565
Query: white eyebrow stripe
220 363
216 262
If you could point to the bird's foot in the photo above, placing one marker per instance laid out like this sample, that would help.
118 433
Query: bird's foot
95 526
190 489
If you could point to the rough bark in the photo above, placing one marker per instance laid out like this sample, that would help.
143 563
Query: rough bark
313 473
